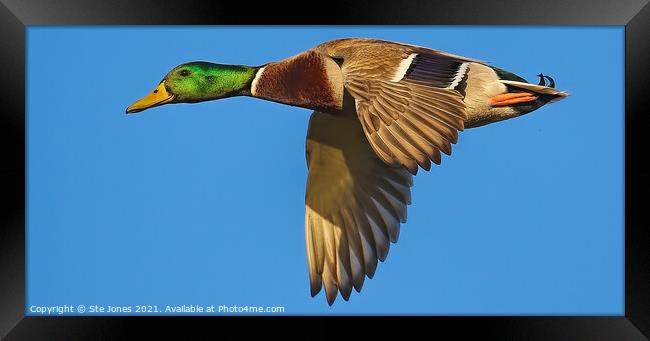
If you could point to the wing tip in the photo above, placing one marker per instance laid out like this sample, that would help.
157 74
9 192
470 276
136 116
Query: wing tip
331 299
314 291
359 286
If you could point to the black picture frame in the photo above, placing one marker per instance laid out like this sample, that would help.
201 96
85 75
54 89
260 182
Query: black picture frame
16 15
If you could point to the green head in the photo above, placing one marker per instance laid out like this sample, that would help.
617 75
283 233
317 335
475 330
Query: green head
198 82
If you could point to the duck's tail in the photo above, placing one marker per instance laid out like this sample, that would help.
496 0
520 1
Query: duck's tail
537 89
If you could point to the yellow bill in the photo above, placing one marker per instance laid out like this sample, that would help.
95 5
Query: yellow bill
157 97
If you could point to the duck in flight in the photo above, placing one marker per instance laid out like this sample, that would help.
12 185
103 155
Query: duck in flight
382 110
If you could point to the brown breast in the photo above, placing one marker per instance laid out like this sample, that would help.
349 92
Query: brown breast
309 80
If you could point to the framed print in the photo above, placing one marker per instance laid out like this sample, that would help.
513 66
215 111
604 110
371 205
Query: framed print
154 167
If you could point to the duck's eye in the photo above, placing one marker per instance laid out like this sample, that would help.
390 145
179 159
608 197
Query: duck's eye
184 73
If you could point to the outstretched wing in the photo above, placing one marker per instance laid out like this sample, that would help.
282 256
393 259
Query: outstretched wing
409 99
354 205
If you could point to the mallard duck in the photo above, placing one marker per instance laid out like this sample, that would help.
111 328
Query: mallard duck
382 110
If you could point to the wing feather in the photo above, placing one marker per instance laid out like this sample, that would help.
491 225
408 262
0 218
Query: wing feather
385 94
358 188
354 205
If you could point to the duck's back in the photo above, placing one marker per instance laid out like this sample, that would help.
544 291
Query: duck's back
391 81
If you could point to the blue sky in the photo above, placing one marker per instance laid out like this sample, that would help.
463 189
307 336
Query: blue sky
204 203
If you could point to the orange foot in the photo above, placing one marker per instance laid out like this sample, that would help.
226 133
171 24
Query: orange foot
512 98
